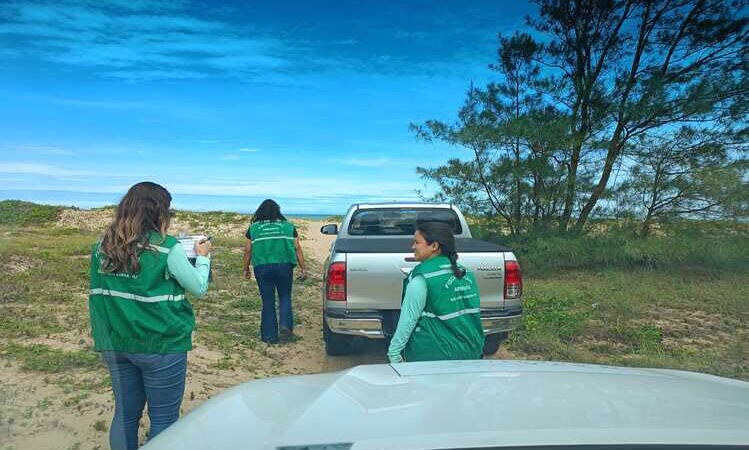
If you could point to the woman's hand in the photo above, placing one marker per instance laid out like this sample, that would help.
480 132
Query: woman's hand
203 248
247 273
302 275
394 359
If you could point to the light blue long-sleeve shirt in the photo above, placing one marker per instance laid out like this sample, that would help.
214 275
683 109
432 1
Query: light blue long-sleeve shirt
193 279
413 305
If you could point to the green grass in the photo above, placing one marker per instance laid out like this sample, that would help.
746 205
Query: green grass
19 213
42 358
27 323
638 318
45 281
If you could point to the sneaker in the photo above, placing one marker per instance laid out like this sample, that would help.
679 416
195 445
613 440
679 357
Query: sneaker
285 334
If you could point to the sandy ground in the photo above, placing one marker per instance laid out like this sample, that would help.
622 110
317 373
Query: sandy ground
40 411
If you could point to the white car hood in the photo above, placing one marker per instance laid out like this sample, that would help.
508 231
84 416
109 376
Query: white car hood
455 404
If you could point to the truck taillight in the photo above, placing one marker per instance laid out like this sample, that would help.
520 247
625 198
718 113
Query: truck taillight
335 288
513 280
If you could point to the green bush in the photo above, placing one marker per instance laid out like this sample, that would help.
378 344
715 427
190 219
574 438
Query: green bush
703 246
19 213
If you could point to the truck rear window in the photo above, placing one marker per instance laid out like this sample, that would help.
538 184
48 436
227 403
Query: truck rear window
399 221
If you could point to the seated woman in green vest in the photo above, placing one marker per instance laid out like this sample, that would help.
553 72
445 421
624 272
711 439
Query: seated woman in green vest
274 249
141 320
440 317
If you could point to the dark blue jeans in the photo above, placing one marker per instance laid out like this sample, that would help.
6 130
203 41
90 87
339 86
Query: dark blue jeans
272 278
140 378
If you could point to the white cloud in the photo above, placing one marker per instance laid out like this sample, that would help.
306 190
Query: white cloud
61 172
100 102
373 162
44 149
37 169
329 187
135 75
137 43
235 155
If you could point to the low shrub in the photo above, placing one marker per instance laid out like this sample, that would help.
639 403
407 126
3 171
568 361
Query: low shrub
20 213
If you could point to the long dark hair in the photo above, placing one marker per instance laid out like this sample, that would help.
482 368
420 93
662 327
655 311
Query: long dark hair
268 210
143 209
442 234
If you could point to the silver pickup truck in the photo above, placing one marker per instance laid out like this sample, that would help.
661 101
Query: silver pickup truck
371 256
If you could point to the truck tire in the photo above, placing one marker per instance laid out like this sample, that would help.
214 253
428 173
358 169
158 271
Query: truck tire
336 344
492 342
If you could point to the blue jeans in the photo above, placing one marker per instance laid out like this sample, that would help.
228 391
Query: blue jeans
271 278
140 378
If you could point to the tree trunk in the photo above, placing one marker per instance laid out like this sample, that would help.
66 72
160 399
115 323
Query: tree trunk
569 197
611 157
645 229
518 186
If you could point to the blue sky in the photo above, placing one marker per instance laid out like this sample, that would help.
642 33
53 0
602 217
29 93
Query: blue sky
227 103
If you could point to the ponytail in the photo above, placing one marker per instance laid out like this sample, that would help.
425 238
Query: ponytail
457 271
442 234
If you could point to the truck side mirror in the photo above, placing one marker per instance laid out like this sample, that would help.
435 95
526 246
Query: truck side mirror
330 228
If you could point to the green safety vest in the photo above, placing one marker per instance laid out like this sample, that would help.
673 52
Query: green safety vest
272 242
450 325
145 312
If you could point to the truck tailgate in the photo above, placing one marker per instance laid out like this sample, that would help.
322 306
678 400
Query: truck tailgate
488 269
375 280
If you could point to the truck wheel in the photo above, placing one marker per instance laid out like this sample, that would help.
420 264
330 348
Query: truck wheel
336 344
492 342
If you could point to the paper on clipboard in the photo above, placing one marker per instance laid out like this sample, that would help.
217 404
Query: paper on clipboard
188 244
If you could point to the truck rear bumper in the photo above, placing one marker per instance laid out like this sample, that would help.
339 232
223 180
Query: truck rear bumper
366 324
370 324
500 321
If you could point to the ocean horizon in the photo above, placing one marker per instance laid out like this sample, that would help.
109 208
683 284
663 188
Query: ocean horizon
188 202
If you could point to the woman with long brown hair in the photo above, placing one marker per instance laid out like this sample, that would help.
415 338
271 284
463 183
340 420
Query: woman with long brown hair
141 320
440 313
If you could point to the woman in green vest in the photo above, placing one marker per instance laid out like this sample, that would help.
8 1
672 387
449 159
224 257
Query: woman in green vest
440 312
141 320
274 249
